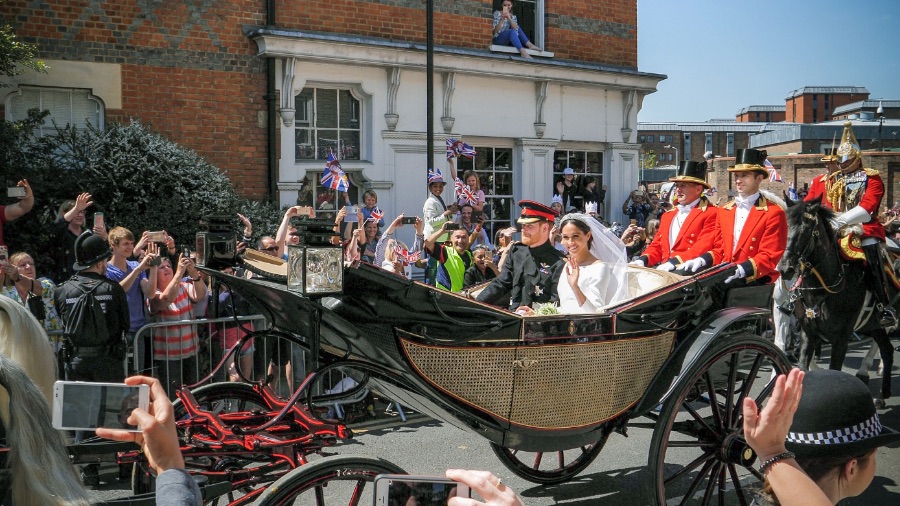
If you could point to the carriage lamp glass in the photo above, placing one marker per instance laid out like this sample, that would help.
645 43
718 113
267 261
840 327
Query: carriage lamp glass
216 242
315 266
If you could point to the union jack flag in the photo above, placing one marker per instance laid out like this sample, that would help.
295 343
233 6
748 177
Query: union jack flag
456 147
465 191
405 256
774 176
334 177
377 214
435 176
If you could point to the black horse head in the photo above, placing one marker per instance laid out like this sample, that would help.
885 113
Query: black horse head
809 233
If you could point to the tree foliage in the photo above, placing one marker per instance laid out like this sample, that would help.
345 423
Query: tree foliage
138 179
16 57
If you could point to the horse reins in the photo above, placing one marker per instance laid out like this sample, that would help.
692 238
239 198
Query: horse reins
805 265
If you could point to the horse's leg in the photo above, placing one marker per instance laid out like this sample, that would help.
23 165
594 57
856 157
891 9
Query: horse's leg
807 345
863 372
838 350
887 358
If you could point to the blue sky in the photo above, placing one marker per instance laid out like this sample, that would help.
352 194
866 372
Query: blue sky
721 55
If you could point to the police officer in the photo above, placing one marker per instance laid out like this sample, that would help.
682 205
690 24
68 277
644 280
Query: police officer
532 268
91 358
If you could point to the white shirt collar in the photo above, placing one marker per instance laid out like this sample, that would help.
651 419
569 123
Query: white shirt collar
686 208
746 202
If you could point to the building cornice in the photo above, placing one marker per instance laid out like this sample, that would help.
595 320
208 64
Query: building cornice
368 51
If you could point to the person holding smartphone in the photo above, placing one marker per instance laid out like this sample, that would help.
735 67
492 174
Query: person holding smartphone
453 259
15 211
386 254
507 31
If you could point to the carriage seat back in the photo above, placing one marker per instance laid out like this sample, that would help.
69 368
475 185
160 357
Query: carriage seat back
643 280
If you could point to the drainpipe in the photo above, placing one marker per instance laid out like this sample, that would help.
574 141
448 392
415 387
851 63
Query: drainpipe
271 116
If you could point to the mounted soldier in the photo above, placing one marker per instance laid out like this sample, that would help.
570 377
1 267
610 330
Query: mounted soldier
855 192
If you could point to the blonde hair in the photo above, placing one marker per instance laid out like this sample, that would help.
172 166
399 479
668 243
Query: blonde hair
119 233
13 260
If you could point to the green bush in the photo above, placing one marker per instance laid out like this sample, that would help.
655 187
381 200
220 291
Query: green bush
138 179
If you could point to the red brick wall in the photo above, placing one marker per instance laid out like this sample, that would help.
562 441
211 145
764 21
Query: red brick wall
189 73
804 103
602 31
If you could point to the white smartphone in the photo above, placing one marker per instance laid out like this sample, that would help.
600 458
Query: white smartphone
79 405
98 220
351 214
16 191
424 490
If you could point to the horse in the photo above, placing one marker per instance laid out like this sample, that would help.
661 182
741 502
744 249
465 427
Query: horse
831 295
37 461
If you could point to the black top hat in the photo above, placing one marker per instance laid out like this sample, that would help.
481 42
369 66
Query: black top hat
533 212
90 249
836 417
691 172
752 160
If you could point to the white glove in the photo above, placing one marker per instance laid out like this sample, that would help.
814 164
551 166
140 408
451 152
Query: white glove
854 216
639 263
738 274
693 265
665 267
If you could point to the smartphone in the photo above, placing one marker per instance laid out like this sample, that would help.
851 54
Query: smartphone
158 236
98 220
16 191
423 490
634 222
451 226
4 254
477 216
351 214
80 405
408 220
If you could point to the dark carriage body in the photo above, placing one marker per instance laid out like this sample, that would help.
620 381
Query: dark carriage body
537 383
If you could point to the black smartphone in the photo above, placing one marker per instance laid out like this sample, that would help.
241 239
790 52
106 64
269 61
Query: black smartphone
408 220
477 216
451 226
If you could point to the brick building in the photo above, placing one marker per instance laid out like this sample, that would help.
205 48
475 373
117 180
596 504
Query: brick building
813 104
817 139
760 114
890 109
692 140
265 89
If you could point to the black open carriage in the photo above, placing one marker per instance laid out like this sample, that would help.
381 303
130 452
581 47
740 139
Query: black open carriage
547 391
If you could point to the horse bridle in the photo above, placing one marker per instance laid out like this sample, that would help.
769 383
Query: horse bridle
805 265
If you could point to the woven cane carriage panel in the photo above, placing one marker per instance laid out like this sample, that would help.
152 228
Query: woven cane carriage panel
482 377
548 386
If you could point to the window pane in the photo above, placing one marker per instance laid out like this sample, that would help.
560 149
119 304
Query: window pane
326 109
349 111
304 104
327 142
349 145
503 160
305 146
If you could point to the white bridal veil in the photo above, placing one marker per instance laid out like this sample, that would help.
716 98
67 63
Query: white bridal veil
607 248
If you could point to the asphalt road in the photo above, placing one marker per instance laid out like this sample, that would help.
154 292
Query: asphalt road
619 476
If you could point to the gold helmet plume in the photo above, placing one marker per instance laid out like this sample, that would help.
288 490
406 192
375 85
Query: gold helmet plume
849 148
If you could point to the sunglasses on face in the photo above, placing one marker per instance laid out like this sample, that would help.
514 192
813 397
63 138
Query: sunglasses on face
271 248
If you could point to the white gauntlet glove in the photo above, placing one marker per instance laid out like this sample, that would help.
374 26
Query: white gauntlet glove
639 263
693 265
738 274
854 216
665 267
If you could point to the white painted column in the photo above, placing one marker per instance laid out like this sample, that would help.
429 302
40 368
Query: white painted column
624 170
533 170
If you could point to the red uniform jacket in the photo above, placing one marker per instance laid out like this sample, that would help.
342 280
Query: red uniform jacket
762 240
697 236
870 201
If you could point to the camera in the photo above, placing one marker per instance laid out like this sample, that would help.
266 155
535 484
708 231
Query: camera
216 242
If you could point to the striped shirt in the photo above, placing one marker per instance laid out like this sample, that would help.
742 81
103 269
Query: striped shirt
175 342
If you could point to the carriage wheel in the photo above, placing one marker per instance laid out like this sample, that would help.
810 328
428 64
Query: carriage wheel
230 397
549 467
698 452
340 479
227 397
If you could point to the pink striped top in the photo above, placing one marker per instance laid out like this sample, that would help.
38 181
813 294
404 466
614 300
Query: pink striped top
175 342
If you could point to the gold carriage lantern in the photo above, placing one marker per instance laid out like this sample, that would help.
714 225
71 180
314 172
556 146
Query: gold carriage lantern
315 265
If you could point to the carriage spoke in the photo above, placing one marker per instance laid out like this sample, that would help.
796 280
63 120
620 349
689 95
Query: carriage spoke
711 483
722 484
748 384
693 488
737 485
357 493
320 496
729 392
703 459
562 459
537 460
700 419
713 402
688 444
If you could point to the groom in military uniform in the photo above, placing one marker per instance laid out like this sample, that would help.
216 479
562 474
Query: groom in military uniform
532 268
